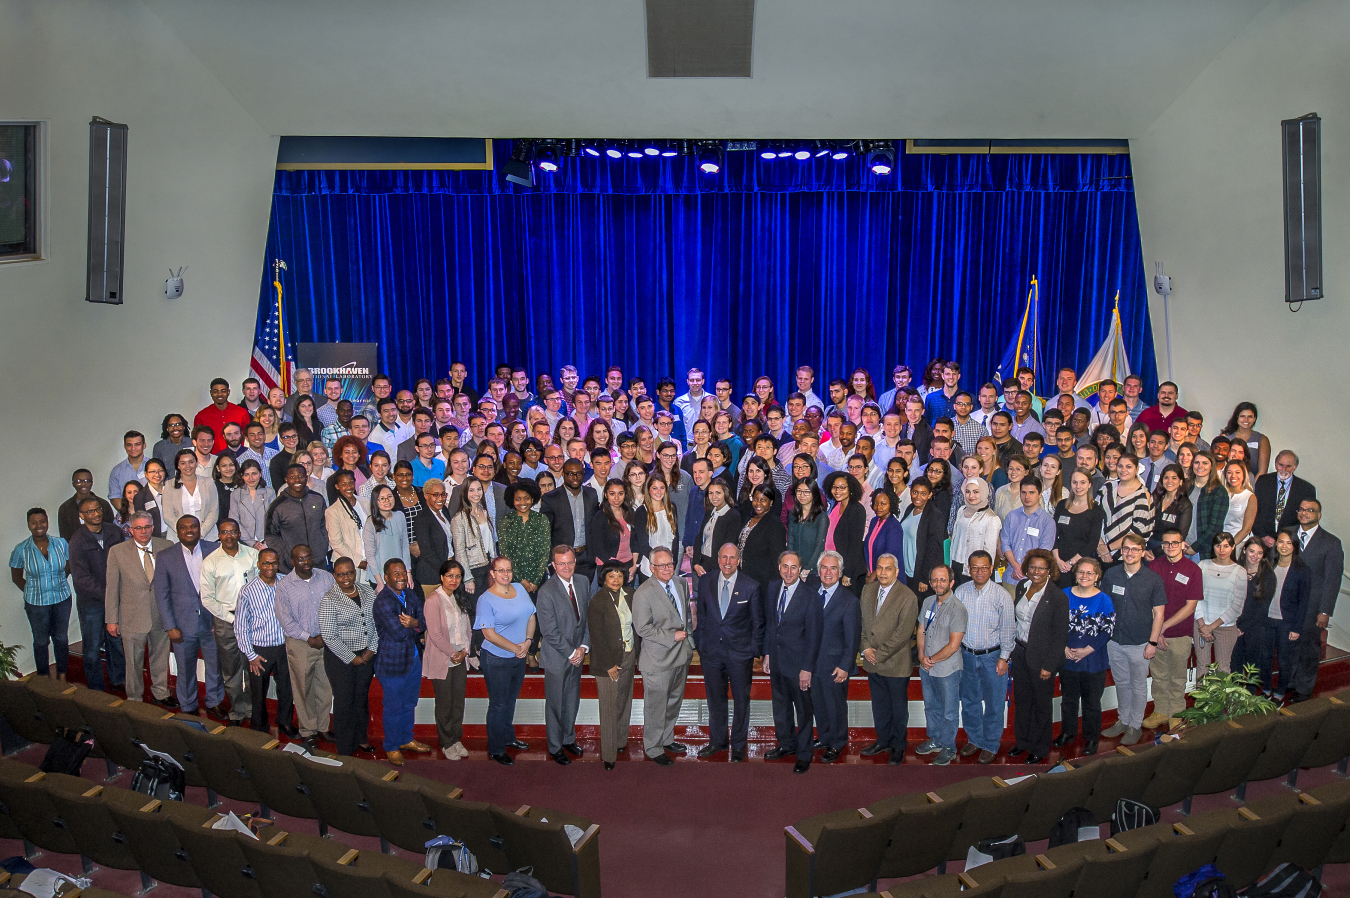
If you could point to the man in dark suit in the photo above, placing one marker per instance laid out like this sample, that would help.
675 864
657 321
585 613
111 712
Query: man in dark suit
568 508
1278 497
178 581
431 536
89 572
1325 558
840 633
564 640
791 645
729 629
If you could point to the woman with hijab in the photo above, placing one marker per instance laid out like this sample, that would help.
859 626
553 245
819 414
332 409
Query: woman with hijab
614 650
976 529
447 659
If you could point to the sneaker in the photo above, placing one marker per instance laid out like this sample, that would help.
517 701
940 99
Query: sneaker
1155 720
945 757
1131 736
929 747
1114 730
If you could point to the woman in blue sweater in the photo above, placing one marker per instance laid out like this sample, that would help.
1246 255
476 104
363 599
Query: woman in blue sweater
1082 679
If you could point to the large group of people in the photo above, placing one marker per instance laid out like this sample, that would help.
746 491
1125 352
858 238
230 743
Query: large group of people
591 526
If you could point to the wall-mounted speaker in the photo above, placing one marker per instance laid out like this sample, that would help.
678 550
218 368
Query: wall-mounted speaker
1302 139
107 210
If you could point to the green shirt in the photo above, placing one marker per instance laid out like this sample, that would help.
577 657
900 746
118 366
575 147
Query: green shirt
526 543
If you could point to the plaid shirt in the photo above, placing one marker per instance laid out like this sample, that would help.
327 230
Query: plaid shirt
1210 512
332 433
991 620
398 644
346 625
968 434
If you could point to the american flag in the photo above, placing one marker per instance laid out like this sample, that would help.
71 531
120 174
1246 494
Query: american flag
267 360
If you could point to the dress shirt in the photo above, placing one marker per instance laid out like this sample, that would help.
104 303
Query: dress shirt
1023 532
1025 611
123 474
991 617
255 620
727 586
298 602
194 561
689 406
968 434
224 576
577 502
332 433
827 593
1303 536
784 598
263 461
44 575
1030 425
710 525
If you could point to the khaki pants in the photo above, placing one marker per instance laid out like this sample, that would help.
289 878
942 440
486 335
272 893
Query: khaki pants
1168 669
1219 652
309 686
233 670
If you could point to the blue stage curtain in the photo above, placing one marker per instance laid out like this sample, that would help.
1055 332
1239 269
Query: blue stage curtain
656 267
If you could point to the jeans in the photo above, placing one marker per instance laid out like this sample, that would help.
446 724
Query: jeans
984 698
504 678
94 636
942 706
50 623
400 705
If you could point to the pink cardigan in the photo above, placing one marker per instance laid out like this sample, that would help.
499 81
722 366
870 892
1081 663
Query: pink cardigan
449 630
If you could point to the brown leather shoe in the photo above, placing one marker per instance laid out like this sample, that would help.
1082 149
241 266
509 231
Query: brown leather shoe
969 749
395 758
416 746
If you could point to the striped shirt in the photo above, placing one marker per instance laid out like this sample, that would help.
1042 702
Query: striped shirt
255 618
44 575
991 621
1124 514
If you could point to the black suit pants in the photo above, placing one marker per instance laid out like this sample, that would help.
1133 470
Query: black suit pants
717 676
1032 700
351 701
791 713
274 665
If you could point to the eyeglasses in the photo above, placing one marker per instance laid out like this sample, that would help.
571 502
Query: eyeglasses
662 565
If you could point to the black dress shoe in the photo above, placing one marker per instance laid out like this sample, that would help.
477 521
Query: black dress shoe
309 744
897 757
609 765
518 745
504 760
287 730
217 712
677 748
1016 752
818 745
573 749
663 760
774 754
170 702
1063 739
831 755
1034 759
365 746
561 757
801 767
875 748
708 751
1090 748
328 736
737 755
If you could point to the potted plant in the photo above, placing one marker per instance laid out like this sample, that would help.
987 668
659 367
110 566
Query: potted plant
1224 696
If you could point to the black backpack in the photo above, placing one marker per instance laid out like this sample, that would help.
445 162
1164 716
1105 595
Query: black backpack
159 779
1131 814
521 884
67 752
1286 881
1065 830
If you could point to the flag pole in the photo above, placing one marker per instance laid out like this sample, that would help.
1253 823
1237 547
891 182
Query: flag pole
277 267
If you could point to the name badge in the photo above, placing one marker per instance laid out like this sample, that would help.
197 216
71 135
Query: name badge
1254 444
1064 519
1170 518
1183 579
1118 590
150 504
1033 531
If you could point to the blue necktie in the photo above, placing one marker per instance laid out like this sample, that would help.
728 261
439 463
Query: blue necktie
726 598
824 598
782 602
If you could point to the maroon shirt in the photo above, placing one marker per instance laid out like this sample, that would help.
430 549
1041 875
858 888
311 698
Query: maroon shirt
1153 418
1182 582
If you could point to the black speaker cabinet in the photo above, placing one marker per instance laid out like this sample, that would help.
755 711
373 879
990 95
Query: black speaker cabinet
107 210
1302 138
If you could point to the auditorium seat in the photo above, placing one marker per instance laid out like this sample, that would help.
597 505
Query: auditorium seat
1314 827
283 871
55 701
93 828
337 797
470 822
217 858
32 811
1235 754
535 838
1248 841
16 703
1332 744
1055 794
220 766
1180 766
12 771
994 811
1288 743
112 727
839 854
153 841
1112 870
362 874
163 732
397 808
924 827
1178 854
1124 774
274 777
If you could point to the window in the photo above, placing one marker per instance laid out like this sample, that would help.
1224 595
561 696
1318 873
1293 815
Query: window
18 191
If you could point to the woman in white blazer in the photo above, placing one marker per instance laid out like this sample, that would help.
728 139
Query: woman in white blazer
189 494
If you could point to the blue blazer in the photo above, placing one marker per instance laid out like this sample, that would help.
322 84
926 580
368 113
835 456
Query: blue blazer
180 605
841 633
890 541
398 644
738 637
793 643
1294 599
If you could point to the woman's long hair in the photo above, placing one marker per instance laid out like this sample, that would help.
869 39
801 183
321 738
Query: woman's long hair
755 462
376 515
666 507
615 523
1231 427
461 598
177 471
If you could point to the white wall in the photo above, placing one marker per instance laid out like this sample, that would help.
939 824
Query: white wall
199 178
1209 190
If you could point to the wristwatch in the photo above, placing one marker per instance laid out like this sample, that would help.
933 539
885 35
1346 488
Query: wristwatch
1152 643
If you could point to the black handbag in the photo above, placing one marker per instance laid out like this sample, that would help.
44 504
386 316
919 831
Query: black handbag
67 752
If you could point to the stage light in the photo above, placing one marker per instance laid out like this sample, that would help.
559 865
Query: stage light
801 154
590 147
547 159
843 151
571 147
668 149
822 149
767 151
882 159
614 152
784 152
709 157
518 169
633 151
686 147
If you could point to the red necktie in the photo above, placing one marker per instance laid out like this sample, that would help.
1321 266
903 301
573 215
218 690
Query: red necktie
576 609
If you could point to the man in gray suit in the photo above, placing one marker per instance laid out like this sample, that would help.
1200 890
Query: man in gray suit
178 584
564 640
131 613
662 618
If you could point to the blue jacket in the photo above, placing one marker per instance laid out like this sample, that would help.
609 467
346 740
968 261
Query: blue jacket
890 541
840 634
739 636
1294 599
793 643
398 644
180 605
